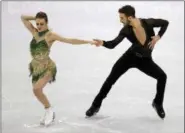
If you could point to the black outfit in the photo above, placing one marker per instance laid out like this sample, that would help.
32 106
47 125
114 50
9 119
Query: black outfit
137 56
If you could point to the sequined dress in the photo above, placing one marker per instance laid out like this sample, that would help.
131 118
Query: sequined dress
41 63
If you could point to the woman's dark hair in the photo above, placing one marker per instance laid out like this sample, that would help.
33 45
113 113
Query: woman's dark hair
128 10
42 15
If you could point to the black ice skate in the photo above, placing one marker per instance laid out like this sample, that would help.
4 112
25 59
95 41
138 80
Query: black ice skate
159 109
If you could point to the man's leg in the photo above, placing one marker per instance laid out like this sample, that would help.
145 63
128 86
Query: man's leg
149 67
120 67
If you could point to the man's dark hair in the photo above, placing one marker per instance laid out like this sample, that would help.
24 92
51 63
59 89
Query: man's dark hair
128 10
42 15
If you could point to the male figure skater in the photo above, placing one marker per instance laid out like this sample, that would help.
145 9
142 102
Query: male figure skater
141 34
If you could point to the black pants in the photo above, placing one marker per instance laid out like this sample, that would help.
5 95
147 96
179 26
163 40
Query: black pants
132 60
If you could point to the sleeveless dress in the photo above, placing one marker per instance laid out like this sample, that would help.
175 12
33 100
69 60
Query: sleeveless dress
41 64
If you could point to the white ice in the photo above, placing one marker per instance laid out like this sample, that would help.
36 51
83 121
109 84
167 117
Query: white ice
83 69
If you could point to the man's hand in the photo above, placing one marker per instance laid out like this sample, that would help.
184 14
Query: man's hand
98 42
153 42
92 42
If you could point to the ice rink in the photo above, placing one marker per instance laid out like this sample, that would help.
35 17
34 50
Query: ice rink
83 69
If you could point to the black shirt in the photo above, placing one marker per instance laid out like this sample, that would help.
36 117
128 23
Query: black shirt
127 31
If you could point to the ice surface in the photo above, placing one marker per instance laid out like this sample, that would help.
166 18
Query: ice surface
83 69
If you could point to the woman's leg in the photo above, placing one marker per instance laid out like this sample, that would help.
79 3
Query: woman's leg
38 91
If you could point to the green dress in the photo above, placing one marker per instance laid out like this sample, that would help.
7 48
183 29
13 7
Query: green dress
41 64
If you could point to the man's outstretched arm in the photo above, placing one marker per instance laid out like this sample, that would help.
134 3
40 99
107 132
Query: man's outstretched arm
113 43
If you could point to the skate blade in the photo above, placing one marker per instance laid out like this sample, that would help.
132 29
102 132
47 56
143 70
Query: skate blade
42 125
98 117
33 125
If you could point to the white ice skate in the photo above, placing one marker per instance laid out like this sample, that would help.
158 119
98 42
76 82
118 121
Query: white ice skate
42 120
49 117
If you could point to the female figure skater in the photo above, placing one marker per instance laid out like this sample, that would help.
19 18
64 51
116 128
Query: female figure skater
42 68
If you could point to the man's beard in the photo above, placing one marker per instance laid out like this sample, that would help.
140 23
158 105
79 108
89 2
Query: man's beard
127 23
